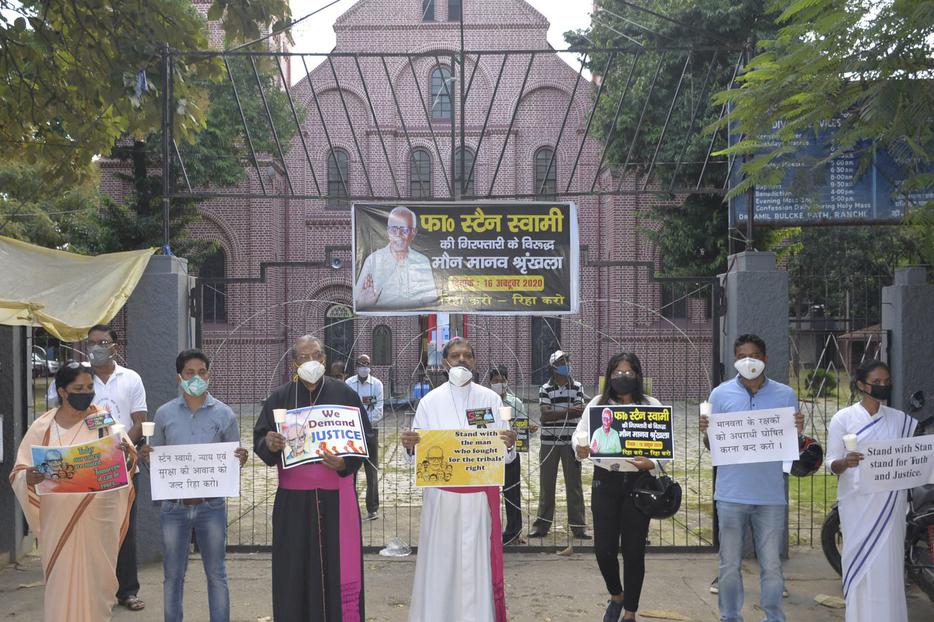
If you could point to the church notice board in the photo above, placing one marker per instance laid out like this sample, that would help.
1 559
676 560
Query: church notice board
458 458
484 258
631 431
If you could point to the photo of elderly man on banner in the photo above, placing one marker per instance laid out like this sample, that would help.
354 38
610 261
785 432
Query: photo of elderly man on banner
483 258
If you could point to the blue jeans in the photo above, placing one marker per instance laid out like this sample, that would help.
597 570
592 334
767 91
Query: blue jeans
768 524
208 520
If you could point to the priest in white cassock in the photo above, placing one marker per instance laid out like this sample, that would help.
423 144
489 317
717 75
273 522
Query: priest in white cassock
459 570
873 524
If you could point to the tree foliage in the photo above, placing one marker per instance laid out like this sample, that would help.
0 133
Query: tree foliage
868 66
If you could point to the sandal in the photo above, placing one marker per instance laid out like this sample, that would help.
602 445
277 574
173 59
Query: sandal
133 603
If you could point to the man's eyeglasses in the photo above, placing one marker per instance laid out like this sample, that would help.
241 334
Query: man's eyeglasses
400 230
103 342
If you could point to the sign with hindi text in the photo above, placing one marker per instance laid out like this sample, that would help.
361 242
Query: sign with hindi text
456 458
97 466
194 471
465 257
896 464
745 437
631 431
309 431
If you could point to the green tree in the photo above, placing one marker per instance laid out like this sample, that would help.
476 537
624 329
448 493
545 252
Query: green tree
866 65
77 76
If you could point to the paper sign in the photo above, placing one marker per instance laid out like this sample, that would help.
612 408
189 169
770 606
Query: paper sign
309 430
896 464
745 437
458 458
630 431
194 471
97 466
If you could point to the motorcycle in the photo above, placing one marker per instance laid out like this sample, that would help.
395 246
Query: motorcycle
919 535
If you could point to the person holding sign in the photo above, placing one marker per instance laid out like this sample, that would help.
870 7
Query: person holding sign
459 570
873 524
195 417
618 526
752 493
317 556
79 534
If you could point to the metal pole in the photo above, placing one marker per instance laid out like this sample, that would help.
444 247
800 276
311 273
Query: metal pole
166 147
463 98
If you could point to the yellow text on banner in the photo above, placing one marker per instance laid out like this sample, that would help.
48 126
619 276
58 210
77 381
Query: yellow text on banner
459 458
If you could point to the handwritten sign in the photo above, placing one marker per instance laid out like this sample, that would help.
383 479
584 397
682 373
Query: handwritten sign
630 431
308 431
194 471
753 436
96 466
896 464
457 458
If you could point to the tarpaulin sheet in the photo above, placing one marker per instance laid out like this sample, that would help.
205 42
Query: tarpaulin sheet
63 292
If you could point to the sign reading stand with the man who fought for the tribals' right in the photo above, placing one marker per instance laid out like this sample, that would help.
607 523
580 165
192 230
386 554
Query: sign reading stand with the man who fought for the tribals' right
465 257
631 431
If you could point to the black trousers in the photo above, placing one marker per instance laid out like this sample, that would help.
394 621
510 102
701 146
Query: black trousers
618 527
372 474
127 577
512 496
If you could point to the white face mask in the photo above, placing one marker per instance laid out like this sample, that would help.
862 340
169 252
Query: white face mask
749 368
363 372
311 371
498 387
459 376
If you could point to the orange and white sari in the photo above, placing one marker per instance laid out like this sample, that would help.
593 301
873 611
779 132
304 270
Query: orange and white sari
79 534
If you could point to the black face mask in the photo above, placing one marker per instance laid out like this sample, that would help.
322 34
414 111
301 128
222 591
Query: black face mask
626 385
80 401
881 392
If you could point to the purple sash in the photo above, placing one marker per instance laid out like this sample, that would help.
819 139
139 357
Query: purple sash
320 477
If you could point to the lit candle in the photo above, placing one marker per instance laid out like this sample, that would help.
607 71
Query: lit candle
505 413
149 428
849 441
706 409
279 414
581 438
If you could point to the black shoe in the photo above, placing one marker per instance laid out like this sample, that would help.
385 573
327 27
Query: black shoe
535 533
371 516
582 536
614 609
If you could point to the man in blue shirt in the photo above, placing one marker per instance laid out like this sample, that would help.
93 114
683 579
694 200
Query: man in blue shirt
752 494
193 418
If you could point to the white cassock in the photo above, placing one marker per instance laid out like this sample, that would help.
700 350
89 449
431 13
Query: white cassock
453 578
873 524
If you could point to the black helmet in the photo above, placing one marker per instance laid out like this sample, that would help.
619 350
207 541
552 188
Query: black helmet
810 459
657 497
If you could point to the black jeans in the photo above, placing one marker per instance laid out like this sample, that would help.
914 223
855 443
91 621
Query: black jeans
372 474
512 495
618 527
127 577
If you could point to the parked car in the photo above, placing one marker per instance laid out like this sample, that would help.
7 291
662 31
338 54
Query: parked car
43 367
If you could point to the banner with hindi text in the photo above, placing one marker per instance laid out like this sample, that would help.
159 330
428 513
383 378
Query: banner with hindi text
194 471
465 257
767 435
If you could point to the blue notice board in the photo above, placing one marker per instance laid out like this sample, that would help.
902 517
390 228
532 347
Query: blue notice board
833 193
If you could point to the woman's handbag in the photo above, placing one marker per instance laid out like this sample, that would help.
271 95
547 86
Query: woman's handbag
657 497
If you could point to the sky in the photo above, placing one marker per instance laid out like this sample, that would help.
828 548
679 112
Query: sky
317 35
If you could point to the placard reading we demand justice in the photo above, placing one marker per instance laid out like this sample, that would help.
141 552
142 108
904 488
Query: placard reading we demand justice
194 471
456 458
97 466
308 431
896 464
631 431
749 436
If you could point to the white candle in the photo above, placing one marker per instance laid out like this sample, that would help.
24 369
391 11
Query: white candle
706 409
117 428
849 441
505 413
279 414
149 428
581 438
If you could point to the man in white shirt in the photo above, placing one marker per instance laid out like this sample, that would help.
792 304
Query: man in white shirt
370 390
396 276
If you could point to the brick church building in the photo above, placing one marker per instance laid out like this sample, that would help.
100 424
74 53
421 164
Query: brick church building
287 265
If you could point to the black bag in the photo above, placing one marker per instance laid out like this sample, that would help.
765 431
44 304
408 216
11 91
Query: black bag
657 497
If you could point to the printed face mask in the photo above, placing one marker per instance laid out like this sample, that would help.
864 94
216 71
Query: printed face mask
459 376
99 355
749 368
195 386
881 392
80 401
311 371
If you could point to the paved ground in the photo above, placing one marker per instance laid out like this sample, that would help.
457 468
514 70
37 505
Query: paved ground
539 588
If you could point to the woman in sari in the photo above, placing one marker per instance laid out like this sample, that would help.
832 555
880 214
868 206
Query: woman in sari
79 534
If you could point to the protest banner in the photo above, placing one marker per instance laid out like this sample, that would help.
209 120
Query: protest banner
456 458
308 431
767 435
96 466
465 257
194 471
896 464
520 425
630 431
